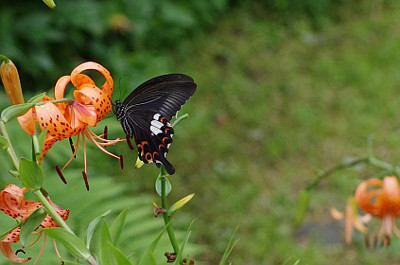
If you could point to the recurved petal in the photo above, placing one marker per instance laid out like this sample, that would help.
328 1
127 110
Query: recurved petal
82 79
390 199
12 197
13 203
108 85
336 214
9 253
59 88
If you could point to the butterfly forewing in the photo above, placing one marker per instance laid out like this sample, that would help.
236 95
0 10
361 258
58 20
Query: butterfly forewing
164 94
146 112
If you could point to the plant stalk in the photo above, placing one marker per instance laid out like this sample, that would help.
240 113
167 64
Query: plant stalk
50 210
167 218
10 149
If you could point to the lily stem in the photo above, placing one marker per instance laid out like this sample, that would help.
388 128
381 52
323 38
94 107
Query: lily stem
167 218
371 160
9 149
50 210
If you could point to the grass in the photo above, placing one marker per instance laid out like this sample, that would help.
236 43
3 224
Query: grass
276 105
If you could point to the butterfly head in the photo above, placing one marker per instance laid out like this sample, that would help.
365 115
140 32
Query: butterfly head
119 110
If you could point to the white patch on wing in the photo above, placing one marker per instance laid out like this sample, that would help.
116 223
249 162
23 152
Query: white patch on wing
155 130
156 116
157 124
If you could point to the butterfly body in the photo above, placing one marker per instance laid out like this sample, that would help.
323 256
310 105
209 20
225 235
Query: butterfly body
146 113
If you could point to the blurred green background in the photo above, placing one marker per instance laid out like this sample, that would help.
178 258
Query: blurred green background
286 89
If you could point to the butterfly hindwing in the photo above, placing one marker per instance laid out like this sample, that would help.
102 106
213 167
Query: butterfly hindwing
146 112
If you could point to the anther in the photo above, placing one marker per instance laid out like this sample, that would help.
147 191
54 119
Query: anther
85 179
105 134
72 146
121 161
61 175
128 140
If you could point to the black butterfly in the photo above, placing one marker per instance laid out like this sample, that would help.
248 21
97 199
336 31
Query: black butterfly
146 113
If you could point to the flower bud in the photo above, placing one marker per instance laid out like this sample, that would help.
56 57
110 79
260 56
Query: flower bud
12 84
49 3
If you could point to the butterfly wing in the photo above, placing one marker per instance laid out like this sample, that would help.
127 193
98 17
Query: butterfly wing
148 110
163 94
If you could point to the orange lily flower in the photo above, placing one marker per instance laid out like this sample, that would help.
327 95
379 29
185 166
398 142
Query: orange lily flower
382 200
352 219
13 203
72 117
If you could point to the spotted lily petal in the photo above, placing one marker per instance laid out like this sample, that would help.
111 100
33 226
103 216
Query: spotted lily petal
9 253
13 203
27 122
90 94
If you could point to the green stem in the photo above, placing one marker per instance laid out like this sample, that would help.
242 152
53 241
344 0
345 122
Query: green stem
50 210
384 165
179 119
4 58
167 218
69 100
372 160
10 149
330 171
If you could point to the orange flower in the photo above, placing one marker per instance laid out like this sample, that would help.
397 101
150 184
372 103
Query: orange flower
382 200
352 220
13 203
73 116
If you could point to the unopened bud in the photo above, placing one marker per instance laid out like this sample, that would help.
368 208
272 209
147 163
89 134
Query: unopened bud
11 82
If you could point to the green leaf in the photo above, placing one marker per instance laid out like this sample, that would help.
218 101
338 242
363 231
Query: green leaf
289 261
148 258
106 252
179 204
302 206
168 185
119 256
37 98
31 223
92 227
229 247
10 229
31 174
179 257
117 226
69 262
71 242
3 142
14 111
